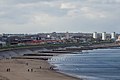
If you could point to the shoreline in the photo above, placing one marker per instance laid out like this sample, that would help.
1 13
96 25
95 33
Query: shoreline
82 78
40 74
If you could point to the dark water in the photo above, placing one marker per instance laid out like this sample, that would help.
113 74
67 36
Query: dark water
101 64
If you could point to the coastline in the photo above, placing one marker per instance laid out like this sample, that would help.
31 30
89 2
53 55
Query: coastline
19 69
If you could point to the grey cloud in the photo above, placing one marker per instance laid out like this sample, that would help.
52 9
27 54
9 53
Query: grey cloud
95 16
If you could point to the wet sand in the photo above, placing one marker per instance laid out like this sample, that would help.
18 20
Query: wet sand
19 70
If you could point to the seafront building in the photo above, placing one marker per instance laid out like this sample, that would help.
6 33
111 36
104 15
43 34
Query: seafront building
113 35
104 36
95 35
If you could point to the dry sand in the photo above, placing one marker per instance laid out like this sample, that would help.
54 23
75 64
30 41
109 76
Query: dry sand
19 70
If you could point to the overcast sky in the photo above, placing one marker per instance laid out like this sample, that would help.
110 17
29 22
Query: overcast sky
33 16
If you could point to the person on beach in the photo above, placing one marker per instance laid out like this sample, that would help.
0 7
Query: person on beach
40 67
27 64
7 70
31 70
28 70
51 68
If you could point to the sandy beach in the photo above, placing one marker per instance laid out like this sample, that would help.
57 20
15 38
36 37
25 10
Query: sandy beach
29 69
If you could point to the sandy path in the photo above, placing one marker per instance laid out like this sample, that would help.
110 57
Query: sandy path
19 70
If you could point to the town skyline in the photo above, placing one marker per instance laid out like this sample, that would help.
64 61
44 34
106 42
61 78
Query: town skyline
62 32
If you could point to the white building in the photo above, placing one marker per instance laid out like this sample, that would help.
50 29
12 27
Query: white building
95 36
48 36
104 36
113 35
67 35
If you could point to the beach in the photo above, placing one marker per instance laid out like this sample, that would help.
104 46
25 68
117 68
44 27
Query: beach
29 69
25 64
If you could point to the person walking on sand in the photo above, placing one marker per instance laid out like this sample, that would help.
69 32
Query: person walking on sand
40 67
9 69
31 70
27 64
51 68
28 70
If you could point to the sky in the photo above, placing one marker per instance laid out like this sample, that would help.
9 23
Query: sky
37 16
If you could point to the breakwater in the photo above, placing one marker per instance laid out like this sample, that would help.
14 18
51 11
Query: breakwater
51 51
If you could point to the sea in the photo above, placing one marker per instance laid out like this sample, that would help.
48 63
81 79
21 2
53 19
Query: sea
97 64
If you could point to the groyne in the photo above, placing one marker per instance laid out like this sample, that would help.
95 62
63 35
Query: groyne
10 53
